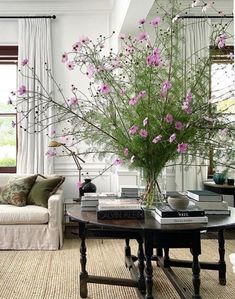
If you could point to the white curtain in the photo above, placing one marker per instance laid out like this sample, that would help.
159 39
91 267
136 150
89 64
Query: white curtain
34 45
196 44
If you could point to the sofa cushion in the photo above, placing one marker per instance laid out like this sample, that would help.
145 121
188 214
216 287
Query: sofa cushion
42 189
17 190
10 214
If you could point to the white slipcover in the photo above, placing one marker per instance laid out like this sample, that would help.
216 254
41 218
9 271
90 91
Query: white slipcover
31 227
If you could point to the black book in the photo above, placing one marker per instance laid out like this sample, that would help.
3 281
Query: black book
165 211
120 214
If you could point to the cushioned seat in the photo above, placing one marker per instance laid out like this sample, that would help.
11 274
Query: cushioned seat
10 214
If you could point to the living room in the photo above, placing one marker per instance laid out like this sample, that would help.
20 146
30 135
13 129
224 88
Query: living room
49 135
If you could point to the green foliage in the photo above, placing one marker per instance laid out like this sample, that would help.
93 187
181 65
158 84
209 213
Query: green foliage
7 162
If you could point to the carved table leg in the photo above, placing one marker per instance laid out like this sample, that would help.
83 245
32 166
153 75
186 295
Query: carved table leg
148 267
159 254
222 265
127 249
196 274
83 260
141 278
166 257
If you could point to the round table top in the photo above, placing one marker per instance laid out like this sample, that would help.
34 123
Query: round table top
215 222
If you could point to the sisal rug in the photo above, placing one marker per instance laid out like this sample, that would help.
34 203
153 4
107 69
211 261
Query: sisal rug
55 274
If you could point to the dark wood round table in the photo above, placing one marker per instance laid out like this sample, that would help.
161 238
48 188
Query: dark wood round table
151 234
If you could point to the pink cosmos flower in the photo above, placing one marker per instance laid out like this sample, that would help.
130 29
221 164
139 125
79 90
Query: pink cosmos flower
142 21
221 41
189 97
71 65
155 22
117 162
24 62
133 130
51 152
166 85
133 101
178 125
65 57
73 101
91 71
105 88
22 90
172 138
143 133
169 118
142 94
126 151
145 121
157 139
84 39
182 148
142 36
52 133
77 46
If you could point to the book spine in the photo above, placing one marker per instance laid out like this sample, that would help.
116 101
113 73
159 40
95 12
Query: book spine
120 214
108 207
177 214
179 220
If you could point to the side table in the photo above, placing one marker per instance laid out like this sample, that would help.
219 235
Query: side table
224 189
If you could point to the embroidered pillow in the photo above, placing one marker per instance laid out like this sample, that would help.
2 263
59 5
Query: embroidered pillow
16 191
42 189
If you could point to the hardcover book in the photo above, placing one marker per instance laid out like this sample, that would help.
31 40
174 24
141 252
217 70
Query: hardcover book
210 205
179 220
165 211
119 204
204 195
120 214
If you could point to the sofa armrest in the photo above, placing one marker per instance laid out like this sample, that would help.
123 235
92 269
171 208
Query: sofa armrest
55 207
56 214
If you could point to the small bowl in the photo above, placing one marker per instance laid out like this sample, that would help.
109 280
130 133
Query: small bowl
178 203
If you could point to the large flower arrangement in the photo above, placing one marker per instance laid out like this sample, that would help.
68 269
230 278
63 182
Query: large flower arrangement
147 105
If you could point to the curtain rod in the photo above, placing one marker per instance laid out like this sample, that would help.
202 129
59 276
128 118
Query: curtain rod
206 17
28 17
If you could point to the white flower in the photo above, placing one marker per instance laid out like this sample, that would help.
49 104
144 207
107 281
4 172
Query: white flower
132 159
195 3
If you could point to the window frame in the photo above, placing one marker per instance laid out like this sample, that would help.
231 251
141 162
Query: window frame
9 55
217 56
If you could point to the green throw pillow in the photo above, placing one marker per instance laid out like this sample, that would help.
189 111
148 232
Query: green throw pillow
43 189
17 190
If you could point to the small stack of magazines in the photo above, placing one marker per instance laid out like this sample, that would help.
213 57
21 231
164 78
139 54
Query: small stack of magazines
90 201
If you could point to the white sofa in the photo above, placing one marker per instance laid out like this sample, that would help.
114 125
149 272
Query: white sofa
31 227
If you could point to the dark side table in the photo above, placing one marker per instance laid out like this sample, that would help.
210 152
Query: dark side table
224 189
150 234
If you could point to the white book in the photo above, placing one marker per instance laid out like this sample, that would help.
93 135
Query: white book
120 204
204 195
179 220
210 205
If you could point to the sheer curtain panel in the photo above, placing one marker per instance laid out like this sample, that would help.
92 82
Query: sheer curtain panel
34 45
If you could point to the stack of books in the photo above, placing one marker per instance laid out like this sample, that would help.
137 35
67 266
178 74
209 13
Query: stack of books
209 201
119 209
164 214
90 201
129 191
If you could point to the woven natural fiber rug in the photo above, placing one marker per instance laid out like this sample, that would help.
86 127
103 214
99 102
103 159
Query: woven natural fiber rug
55 274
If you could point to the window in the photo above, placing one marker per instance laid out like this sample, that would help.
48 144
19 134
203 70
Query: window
8 130
222 86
